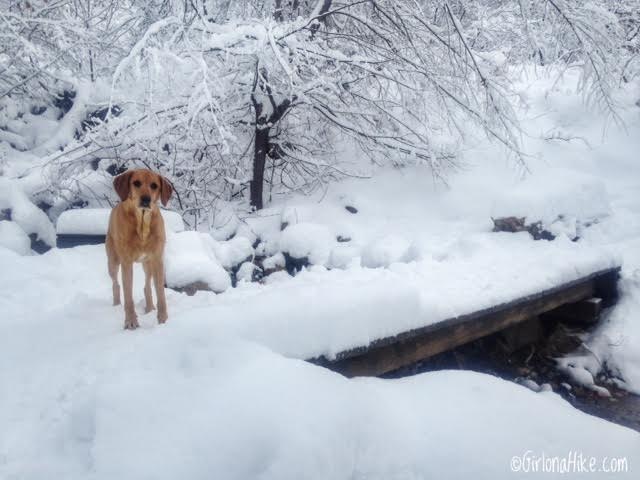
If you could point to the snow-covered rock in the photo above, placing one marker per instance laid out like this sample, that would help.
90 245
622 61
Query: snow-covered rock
245 272
386 250
232 253
189 258
274 262
558 198
14 238
308 240
579 374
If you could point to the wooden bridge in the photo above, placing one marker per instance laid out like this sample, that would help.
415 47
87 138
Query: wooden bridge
581 299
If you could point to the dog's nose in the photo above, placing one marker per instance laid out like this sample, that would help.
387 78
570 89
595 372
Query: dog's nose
145 201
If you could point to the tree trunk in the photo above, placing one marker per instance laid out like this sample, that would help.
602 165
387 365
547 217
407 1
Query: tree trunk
260 146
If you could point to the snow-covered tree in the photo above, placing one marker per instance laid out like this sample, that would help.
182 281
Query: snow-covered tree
230 97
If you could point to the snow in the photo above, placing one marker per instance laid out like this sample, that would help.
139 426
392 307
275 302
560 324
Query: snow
21 128
225 221
66 128
95 221
352 307
556 192
189 257
322 312
293 214
274 261
28 216
308 240
14 238
198 398
384 251
343 255
615 341
233 252
88 221
581 376
245 272
264 226
598 161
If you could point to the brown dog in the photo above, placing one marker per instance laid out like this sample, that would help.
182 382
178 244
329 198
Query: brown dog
136 234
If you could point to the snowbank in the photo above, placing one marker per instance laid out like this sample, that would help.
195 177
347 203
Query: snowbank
14 238
95 221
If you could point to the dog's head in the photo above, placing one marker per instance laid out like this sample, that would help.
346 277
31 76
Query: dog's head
143 187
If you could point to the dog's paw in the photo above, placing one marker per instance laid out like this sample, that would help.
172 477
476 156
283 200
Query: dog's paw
131 323
149 308
162 317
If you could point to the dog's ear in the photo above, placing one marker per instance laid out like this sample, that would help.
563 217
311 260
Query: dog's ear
165 190
121 184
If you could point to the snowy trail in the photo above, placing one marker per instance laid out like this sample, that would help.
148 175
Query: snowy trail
81 398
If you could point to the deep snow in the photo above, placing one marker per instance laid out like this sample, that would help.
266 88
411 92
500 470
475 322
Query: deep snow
196 398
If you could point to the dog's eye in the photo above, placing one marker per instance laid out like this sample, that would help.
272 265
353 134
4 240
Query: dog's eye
137 183
154 186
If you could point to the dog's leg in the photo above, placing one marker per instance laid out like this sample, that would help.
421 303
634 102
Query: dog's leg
130 318
114 266
148 275
158 280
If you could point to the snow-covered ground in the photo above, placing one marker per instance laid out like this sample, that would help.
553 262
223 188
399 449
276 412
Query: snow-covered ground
221 390
196 398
